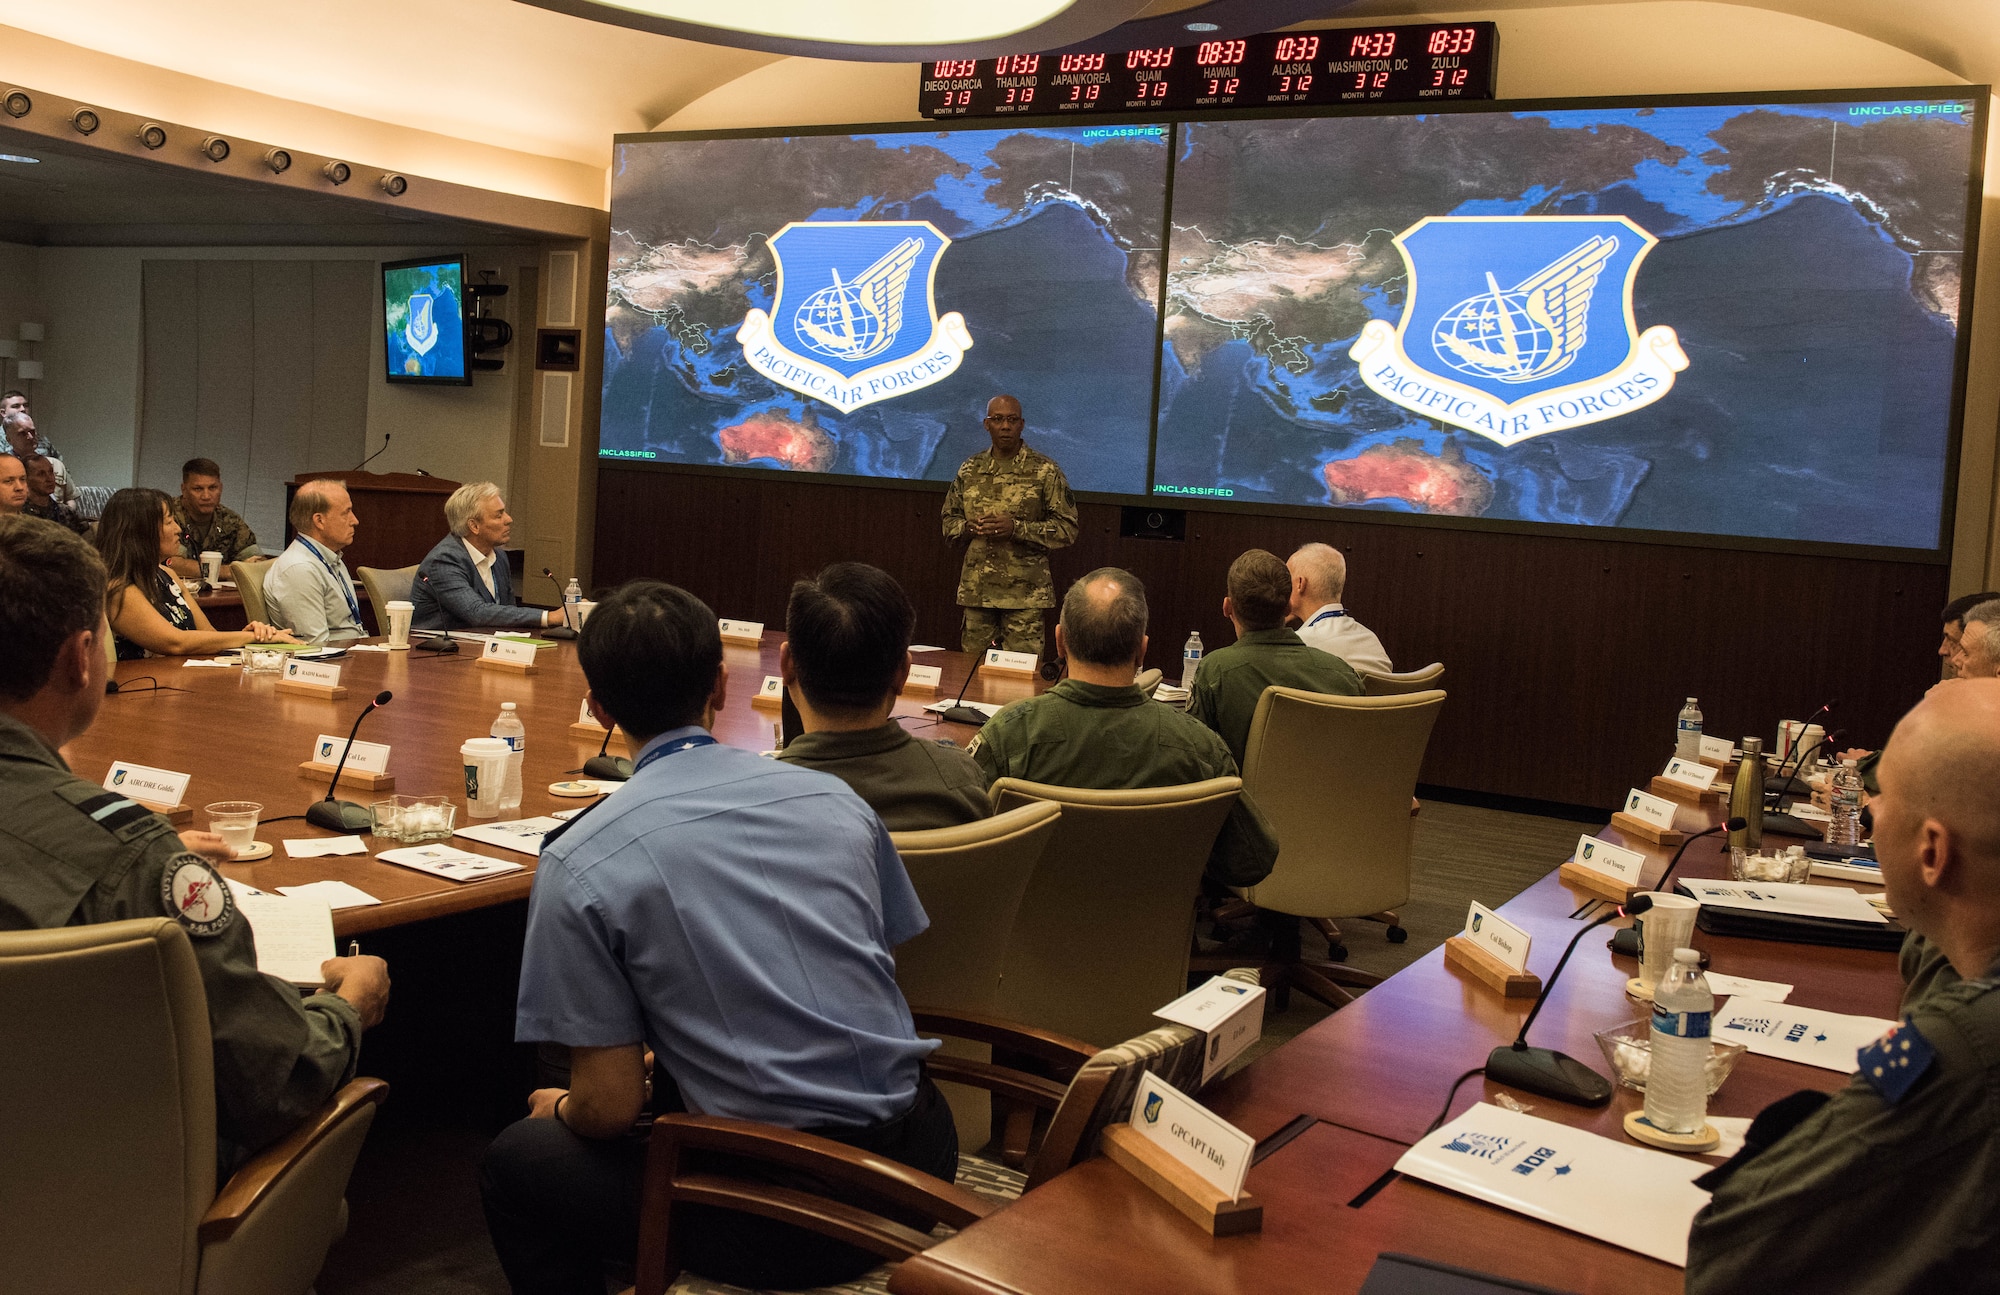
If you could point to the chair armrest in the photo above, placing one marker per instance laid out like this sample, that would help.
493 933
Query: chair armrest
261 1174
1045 1045
1001 1081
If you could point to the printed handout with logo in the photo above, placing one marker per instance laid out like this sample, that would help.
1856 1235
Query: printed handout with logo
1614 1191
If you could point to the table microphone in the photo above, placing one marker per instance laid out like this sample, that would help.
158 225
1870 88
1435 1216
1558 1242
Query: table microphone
1543 1070
607 768
960 713
1627 940
345 815
558 631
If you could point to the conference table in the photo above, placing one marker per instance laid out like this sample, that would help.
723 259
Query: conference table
1375 1075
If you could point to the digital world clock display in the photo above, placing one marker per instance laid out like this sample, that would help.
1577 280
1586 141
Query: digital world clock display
1412 64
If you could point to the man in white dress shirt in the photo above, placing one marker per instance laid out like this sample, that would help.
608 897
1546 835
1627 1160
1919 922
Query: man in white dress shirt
1319 577
308 589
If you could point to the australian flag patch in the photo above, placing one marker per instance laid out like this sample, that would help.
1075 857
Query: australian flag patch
1893 1063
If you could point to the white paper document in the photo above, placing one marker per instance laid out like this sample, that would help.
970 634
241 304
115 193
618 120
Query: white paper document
316 847
1786 898
1614 1191
335 894
522 834
1806 1035
1769 991
452 865
230 663
925 647
293 936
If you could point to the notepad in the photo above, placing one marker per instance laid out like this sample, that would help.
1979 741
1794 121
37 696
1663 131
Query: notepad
336 894
309 847
443 861
294 935
522 834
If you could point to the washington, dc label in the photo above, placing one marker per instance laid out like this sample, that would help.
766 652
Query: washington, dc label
1515 326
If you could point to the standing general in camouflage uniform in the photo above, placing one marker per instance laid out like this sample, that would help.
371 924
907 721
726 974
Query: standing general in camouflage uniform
1888 1186
205 524
1015 505
73 854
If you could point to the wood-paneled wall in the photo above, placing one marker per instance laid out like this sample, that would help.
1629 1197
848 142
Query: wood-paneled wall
1567 659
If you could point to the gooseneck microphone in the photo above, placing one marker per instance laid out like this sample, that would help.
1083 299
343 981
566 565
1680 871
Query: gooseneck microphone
607 768
960 713
1543 1070
345 815
1626 941
1785 782
564 631
376 455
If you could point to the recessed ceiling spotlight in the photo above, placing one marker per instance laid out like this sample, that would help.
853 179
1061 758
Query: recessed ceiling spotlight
215 148
18 157
17 103
394 185
1204 26
336 172
278 160
85 121
153 135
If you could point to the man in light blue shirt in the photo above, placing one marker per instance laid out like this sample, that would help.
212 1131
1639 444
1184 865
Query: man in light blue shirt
736 916
308 590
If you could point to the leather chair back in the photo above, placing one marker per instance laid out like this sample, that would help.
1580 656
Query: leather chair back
1391 685
107 1148
1335 776
249 578
386 585
1103 933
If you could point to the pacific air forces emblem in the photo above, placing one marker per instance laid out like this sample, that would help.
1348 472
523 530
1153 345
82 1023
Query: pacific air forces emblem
196 896
854 319
1514 326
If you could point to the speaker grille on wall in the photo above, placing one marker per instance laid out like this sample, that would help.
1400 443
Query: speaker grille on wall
555 405
562 289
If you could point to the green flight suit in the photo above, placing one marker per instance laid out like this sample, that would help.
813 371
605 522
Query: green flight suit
1086 735
74 854
911 785
1924 969
1888 1187
1010 576
1231 680
223 532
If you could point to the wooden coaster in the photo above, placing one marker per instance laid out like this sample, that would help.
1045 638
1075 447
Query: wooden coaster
577 788
1489 970
1637 989
1693 1144
258 850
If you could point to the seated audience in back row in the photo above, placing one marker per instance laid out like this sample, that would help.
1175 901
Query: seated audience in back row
1319 579
1096 729
845 657
1978 655
42 500
308 589
735 915
13 485
22 441
464 583
206 525
150 612
1231 680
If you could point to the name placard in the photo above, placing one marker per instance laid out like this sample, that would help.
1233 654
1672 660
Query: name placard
924 679
324 673
770 694
1229 1012
508 652
149 786
583 715
1213 1148
1657 810
1690 773
1719 749
1498 936
1611 860
1000 662
368 757
742 633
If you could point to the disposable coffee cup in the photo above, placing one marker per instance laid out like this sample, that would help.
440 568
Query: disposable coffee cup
1668 925
399 623
211 566
583 610
485 761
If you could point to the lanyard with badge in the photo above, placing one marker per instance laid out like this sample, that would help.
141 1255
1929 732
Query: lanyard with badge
1331 613
340 578
672 748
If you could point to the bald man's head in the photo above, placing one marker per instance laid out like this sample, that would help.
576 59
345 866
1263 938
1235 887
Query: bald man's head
1104 618
1937 818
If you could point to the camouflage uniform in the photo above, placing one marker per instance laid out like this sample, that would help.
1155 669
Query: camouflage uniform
1006 583
74 854
225 532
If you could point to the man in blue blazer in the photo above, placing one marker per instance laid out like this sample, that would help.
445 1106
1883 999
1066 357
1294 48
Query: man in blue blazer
463 583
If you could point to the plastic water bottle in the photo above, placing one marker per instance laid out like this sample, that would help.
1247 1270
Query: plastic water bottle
1677 1077
1844 803
1190 660
509 729
571 597
1687 735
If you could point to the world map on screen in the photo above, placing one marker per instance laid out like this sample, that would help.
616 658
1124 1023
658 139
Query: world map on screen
1795 269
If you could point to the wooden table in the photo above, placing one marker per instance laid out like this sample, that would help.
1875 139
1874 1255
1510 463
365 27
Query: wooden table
241 739
1377 1073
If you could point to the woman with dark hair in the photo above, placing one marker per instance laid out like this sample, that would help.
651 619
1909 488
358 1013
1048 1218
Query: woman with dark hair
150 615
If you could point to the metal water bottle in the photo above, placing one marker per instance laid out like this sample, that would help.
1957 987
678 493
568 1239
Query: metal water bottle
1746 796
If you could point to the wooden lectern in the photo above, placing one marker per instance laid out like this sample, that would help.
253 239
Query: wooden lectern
401 515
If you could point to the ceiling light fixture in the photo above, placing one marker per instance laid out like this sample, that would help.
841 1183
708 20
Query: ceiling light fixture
17 157
1204 26
336 172
394 185
17 103
278 160
85 121
153 135
215 148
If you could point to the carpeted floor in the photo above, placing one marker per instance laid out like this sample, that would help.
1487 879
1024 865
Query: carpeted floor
415 1226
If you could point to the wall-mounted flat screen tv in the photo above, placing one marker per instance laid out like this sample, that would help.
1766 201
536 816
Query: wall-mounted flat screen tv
423 321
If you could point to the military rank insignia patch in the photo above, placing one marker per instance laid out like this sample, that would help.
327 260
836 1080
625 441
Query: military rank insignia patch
196 896
1894 1063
